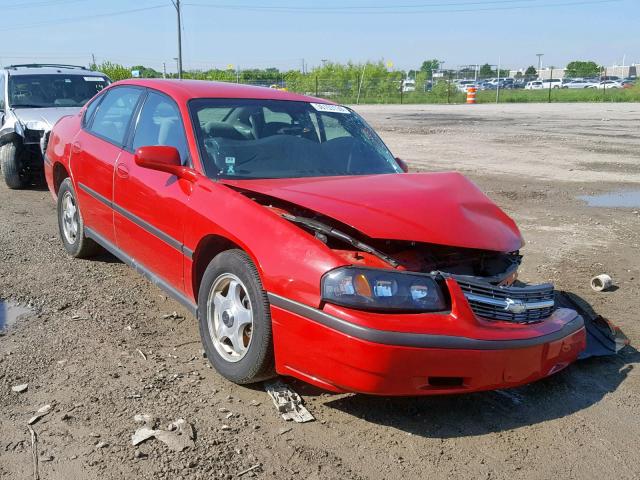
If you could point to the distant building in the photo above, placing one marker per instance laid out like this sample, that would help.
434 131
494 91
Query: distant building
622 71
545 73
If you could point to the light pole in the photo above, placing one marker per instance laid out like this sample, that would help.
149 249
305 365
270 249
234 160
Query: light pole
539 55
176 4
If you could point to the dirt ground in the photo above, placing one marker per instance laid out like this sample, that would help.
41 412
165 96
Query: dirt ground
103 345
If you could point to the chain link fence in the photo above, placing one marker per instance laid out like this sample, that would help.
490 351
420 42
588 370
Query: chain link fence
450 87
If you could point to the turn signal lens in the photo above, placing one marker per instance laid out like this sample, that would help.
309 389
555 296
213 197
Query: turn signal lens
362 286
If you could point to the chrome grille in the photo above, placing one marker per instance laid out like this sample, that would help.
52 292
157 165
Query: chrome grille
525 304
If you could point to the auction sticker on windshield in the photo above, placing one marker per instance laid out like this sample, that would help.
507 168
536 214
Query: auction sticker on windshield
325 107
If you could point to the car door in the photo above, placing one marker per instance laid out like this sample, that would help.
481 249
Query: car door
94 152
150 205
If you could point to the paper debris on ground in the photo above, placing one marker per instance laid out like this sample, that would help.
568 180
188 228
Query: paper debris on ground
178 435
41 412
288 402
20 388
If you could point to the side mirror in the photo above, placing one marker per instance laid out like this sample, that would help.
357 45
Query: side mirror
164 159
403 165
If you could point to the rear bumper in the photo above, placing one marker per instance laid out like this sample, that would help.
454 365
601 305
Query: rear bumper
343 357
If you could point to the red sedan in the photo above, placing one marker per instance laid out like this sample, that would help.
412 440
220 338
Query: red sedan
287 227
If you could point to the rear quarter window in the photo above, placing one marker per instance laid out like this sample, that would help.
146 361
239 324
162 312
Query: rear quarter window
90 111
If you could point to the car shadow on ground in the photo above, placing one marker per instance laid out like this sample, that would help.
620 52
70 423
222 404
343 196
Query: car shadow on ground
106 257
577 387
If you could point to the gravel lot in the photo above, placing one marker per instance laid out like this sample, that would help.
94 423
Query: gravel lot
103 345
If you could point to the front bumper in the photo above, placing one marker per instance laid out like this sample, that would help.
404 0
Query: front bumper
344 356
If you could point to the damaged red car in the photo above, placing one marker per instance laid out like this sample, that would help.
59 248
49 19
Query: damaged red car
288 228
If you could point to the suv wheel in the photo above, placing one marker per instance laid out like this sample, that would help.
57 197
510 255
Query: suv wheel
11 161
71 225
235 319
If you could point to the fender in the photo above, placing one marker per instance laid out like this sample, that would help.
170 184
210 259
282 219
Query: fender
8 136
11 130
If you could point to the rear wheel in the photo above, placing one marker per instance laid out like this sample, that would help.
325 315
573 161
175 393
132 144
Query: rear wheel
71 224
235 319
12 163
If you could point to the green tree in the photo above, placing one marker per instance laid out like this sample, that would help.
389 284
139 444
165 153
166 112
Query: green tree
430 66
531 71
114 71
486 71
146 72
580 68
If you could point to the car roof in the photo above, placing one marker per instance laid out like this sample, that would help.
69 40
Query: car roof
185 90
17 70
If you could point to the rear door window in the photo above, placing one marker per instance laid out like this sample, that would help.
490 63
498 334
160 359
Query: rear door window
114 113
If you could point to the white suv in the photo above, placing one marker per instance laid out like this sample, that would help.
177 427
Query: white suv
32 99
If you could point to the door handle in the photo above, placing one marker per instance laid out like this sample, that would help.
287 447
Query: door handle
76 147
122 170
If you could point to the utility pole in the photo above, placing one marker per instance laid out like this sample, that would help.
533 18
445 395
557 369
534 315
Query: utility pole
176 3
498 84
93 60
164 70
539 55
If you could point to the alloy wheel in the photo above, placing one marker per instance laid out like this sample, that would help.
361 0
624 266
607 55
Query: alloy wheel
229 317
70 219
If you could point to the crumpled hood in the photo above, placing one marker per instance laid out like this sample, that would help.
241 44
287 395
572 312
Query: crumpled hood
43 118
440 208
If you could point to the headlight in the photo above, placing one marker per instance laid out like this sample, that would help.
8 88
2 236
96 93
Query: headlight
377 289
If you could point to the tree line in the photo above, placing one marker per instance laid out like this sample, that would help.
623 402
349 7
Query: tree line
369 75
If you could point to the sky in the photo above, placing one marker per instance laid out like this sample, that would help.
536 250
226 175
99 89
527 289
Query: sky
284 33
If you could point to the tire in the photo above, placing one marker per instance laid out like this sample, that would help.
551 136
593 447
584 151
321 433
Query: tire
71 224
250 359
11 155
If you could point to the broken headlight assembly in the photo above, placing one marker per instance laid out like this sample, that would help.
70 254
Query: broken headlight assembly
382 290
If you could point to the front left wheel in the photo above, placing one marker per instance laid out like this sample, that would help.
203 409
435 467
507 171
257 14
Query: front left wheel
235 319
15 174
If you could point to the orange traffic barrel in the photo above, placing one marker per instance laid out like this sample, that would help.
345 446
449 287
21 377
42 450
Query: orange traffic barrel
471 95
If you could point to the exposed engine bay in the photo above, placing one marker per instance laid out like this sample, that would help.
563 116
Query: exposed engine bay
493 267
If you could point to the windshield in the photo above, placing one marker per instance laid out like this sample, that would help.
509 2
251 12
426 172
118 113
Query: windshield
41 91
242 138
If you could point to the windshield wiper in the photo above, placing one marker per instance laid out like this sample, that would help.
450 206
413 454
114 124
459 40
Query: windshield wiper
327 230
28 105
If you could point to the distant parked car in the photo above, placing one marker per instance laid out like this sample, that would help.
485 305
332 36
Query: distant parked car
608 84
507 83
408 86
32 99
535 85
552 83
462 85
628 83
579 83
486 86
